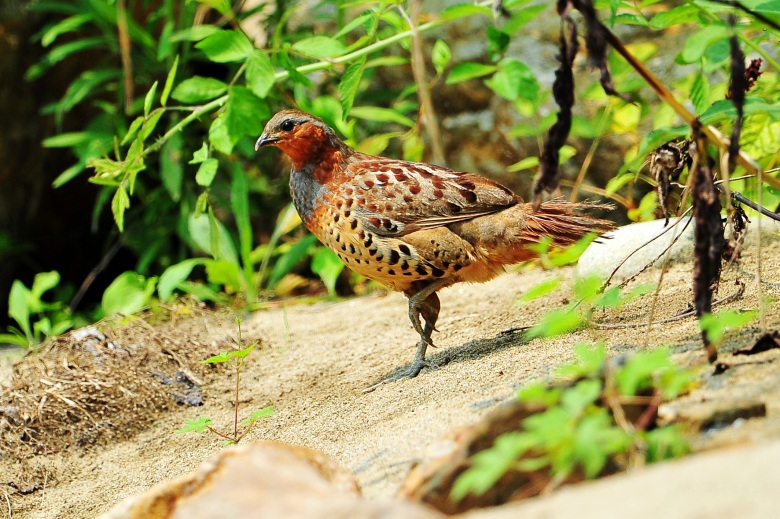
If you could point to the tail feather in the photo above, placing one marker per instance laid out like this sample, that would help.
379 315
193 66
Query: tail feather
564 221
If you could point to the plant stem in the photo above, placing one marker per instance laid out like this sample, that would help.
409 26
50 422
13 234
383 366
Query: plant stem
212 105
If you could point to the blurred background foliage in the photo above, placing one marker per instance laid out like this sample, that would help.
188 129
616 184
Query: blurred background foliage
127 167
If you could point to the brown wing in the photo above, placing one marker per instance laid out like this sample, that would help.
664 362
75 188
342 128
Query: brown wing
395 198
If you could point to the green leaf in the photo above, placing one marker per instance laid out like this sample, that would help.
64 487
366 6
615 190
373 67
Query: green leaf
201 232
463 10
716 324
134 126
441 55
226 46
19 307
43 282
381 115
700 93
514 80
259 415
60 52
540 289
200 155
67 140
319 47
489 465
195 33
169 81
69 24
197 426
686 13
198 89
696 44
328 267
130 292
724 110
149 99
218 135
260 74
171 169
226 273
290 259
244 114
526 163
206 172
350 81
556 322
466 71
119 203
174 276
149 125
522 17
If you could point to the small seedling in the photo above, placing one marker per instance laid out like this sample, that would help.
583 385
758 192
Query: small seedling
236 358
583 430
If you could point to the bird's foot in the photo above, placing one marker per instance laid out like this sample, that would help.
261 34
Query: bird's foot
410 371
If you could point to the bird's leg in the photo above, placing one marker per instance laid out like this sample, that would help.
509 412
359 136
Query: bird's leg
423 303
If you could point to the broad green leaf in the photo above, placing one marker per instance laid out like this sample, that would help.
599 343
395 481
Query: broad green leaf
319 47
514 80
245 114
725 110
200 231
381 115
200 155
169 81
226 273
174 275
466 71
290 259
350 81
260 74
686 13
696 44
522 17
130 292
463 10
43 282
206 172
441 55
328 267
198 89
219 138
226 46
195 33
19 307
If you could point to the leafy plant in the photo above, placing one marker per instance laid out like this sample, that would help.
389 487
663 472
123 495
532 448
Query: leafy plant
583 428
236 359
36 318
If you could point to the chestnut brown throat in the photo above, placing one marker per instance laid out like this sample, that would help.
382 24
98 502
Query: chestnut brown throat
414 227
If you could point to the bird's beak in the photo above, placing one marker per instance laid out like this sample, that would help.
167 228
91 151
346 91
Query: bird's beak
265 140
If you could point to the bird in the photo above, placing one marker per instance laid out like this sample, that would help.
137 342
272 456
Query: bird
414 227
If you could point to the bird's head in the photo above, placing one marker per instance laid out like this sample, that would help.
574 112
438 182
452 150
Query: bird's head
306 139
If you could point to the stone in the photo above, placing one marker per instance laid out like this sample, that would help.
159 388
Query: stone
264 480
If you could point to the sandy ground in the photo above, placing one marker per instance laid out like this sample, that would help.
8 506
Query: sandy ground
314 362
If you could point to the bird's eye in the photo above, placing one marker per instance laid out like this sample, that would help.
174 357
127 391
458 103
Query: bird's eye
287 125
